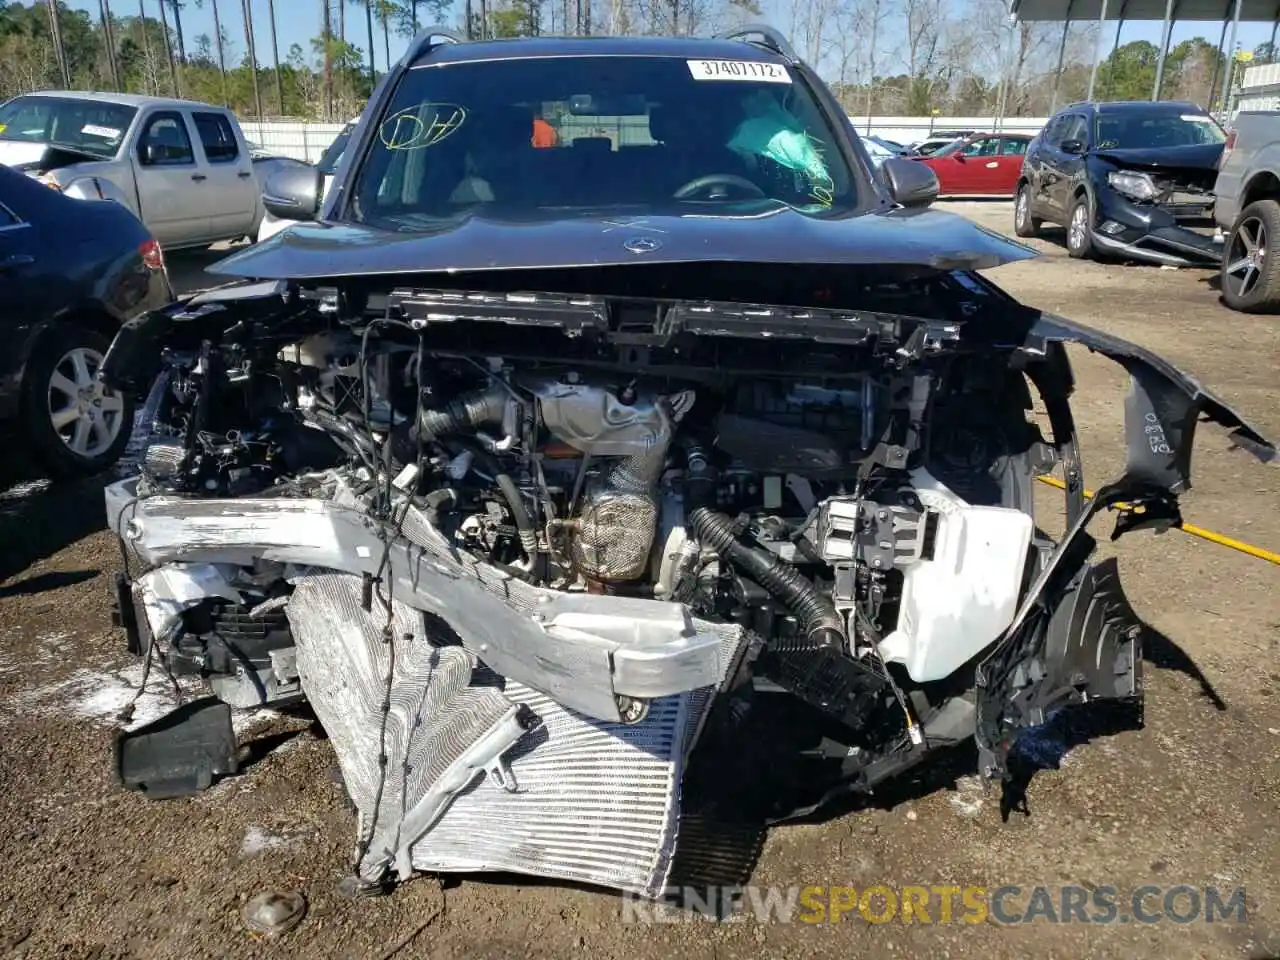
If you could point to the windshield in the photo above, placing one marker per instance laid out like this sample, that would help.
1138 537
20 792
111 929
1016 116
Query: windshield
531 138
89 126
332 155
1133 131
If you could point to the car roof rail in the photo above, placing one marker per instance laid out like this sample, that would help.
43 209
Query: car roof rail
427 39
770 37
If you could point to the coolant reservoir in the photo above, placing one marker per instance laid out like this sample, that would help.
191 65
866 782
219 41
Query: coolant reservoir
962 599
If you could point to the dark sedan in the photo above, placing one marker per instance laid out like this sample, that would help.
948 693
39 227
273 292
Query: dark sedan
71 271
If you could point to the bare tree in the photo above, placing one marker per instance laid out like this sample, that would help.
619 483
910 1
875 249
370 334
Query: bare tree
246 7
810 20
275 56
168 51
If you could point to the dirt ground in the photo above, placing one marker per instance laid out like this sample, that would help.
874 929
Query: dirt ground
1192 798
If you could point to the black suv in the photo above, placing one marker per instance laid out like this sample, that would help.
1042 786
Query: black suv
1129 179
615 355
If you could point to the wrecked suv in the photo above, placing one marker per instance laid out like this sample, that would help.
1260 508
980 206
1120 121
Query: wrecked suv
1132 180
534 461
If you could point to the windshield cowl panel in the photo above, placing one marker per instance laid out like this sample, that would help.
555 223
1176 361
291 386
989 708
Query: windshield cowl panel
532 138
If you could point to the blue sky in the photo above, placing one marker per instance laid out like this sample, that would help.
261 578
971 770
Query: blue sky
298 23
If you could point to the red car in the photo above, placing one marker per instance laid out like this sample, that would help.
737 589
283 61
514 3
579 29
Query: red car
983 165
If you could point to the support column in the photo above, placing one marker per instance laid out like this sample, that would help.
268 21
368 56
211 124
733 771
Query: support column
1116 43
1164 48
1062 52
1217 63
1006 74
1097 50
1231 63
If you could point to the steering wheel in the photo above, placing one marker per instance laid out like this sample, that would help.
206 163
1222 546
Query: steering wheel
698 184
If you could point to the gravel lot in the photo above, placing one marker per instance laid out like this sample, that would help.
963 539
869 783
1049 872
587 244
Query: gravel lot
1191 799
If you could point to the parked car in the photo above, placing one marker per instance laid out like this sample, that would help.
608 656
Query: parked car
983 165
327 166
538 464
877 151
1131 179
924 148
71 271
1247 209
895 148
182 167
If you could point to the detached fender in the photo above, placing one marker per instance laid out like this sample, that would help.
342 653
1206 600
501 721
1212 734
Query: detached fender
1075 638
1162 409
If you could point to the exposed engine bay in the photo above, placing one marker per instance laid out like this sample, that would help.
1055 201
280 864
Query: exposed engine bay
522 552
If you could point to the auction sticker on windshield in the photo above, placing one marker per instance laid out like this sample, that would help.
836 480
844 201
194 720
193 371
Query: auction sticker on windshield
93 130
739 70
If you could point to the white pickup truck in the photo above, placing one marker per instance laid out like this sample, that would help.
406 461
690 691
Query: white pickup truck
182 167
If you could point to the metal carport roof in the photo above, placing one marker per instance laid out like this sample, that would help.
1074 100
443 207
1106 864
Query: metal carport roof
1056 11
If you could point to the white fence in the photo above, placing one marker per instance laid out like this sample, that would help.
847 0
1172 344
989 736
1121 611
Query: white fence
910 129
307 141
302 141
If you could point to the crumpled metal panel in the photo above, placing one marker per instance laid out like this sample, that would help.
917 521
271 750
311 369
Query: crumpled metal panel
594 802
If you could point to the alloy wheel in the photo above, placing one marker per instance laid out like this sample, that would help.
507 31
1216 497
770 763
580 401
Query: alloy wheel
1246 256
1021 212
1078 230
87 416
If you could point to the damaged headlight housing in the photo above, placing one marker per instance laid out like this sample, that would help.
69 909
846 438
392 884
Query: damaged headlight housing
1138 186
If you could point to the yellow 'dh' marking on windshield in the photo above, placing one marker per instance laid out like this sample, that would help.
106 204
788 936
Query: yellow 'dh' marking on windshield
822 188
421 126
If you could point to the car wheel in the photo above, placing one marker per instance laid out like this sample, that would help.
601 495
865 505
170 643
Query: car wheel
1249 266
1024 224
1080 229
76 427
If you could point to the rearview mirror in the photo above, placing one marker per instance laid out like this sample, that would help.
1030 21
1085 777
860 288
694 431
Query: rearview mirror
294 192
910 184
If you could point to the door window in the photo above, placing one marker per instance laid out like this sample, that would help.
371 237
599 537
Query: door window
1076 129
982 147
217 137
165 142
1052 135
1013 146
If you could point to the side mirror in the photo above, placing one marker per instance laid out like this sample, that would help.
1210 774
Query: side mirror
910 184
293 192
1072 146
151 154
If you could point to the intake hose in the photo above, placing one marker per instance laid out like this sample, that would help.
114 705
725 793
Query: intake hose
463 414
524 524
817 614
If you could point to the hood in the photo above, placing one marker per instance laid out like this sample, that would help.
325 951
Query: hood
28 155
931 238
1199 157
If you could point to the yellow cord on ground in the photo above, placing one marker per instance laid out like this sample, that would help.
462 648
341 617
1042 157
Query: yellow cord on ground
1195 531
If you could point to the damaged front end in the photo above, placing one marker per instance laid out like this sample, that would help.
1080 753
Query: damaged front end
520 550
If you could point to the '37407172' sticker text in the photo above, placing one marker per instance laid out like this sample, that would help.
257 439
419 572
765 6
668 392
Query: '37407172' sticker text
749 70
